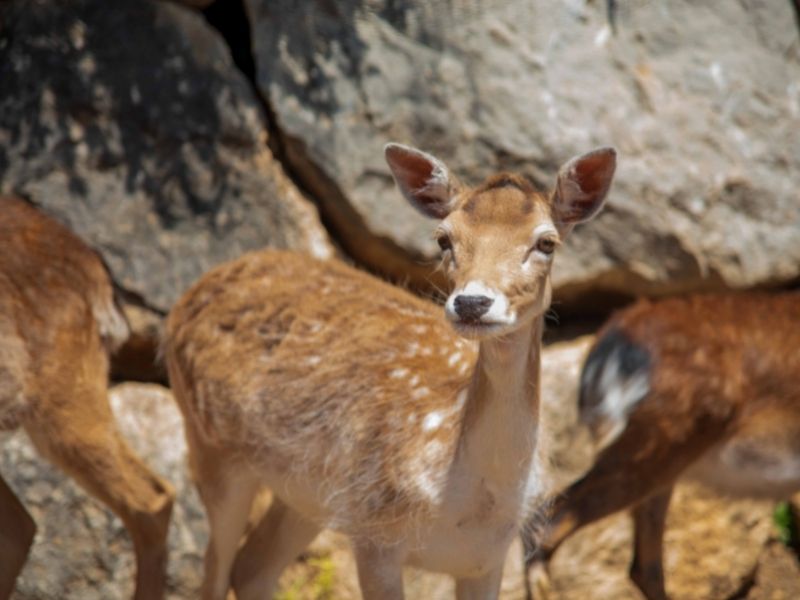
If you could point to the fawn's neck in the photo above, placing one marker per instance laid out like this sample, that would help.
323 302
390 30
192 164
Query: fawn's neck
502 412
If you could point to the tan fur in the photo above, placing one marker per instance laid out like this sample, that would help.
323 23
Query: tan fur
58 321
359 405
722 406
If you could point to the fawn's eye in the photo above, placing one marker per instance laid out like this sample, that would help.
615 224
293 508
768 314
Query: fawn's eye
444 242
546 245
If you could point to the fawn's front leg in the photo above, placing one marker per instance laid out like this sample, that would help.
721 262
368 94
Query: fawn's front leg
486 587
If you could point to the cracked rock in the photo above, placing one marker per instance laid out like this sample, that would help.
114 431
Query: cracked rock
703 104
130 122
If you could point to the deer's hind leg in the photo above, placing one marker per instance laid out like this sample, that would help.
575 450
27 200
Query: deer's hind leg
17 530
227 489
278 539
73 427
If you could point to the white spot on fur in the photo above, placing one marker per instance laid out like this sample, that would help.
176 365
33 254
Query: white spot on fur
432 421
398 373
454 358
412 349
426 474
420 393
419 329
426 483
313 360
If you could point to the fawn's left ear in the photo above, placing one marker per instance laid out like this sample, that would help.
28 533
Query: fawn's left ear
424 180
582 185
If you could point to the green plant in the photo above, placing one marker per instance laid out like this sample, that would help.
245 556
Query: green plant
315 581
785 520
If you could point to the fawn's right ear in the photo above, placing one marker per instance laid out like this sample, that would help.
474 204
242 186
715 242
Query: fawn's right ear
582 186
423 179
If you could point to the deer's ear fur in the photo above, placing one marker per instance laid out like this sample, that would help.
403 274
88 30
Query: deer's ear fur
582 185
423 179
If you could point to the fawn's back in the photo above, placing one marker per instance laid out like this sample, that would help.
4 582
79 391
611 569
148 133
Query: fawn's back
285 358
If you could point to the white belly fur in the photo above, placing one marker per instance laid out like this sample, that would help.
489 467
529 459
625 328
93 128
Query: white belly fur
468 534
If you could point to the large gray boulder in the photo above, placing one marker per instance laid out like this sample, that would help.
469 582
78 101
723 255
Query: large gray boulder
702 101
129 121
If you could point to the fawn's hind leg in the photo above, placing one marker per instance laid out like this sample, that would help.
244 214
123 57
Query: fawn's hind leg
227 490
278 539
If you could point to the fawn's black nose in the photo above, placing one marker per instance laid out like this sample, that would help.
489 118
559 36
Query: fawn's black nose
471 308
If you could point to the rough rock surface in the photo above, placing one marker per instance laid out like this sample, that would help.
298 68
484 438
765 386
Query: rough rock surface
201 4
715 548
702 102
130 123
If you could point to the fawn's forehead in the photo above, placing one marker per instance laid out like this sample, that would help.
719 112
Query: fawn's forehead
505 199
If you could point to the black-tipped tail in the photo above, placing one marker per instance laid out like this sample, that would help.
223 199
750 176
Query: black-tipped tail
615 378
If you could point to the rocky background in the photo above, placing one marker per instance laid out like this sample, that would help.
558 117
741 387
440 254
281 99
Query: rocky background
174 136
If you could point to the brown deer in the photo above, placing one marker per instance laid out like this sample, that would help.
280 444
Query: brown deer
359 406
58 324
707 387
